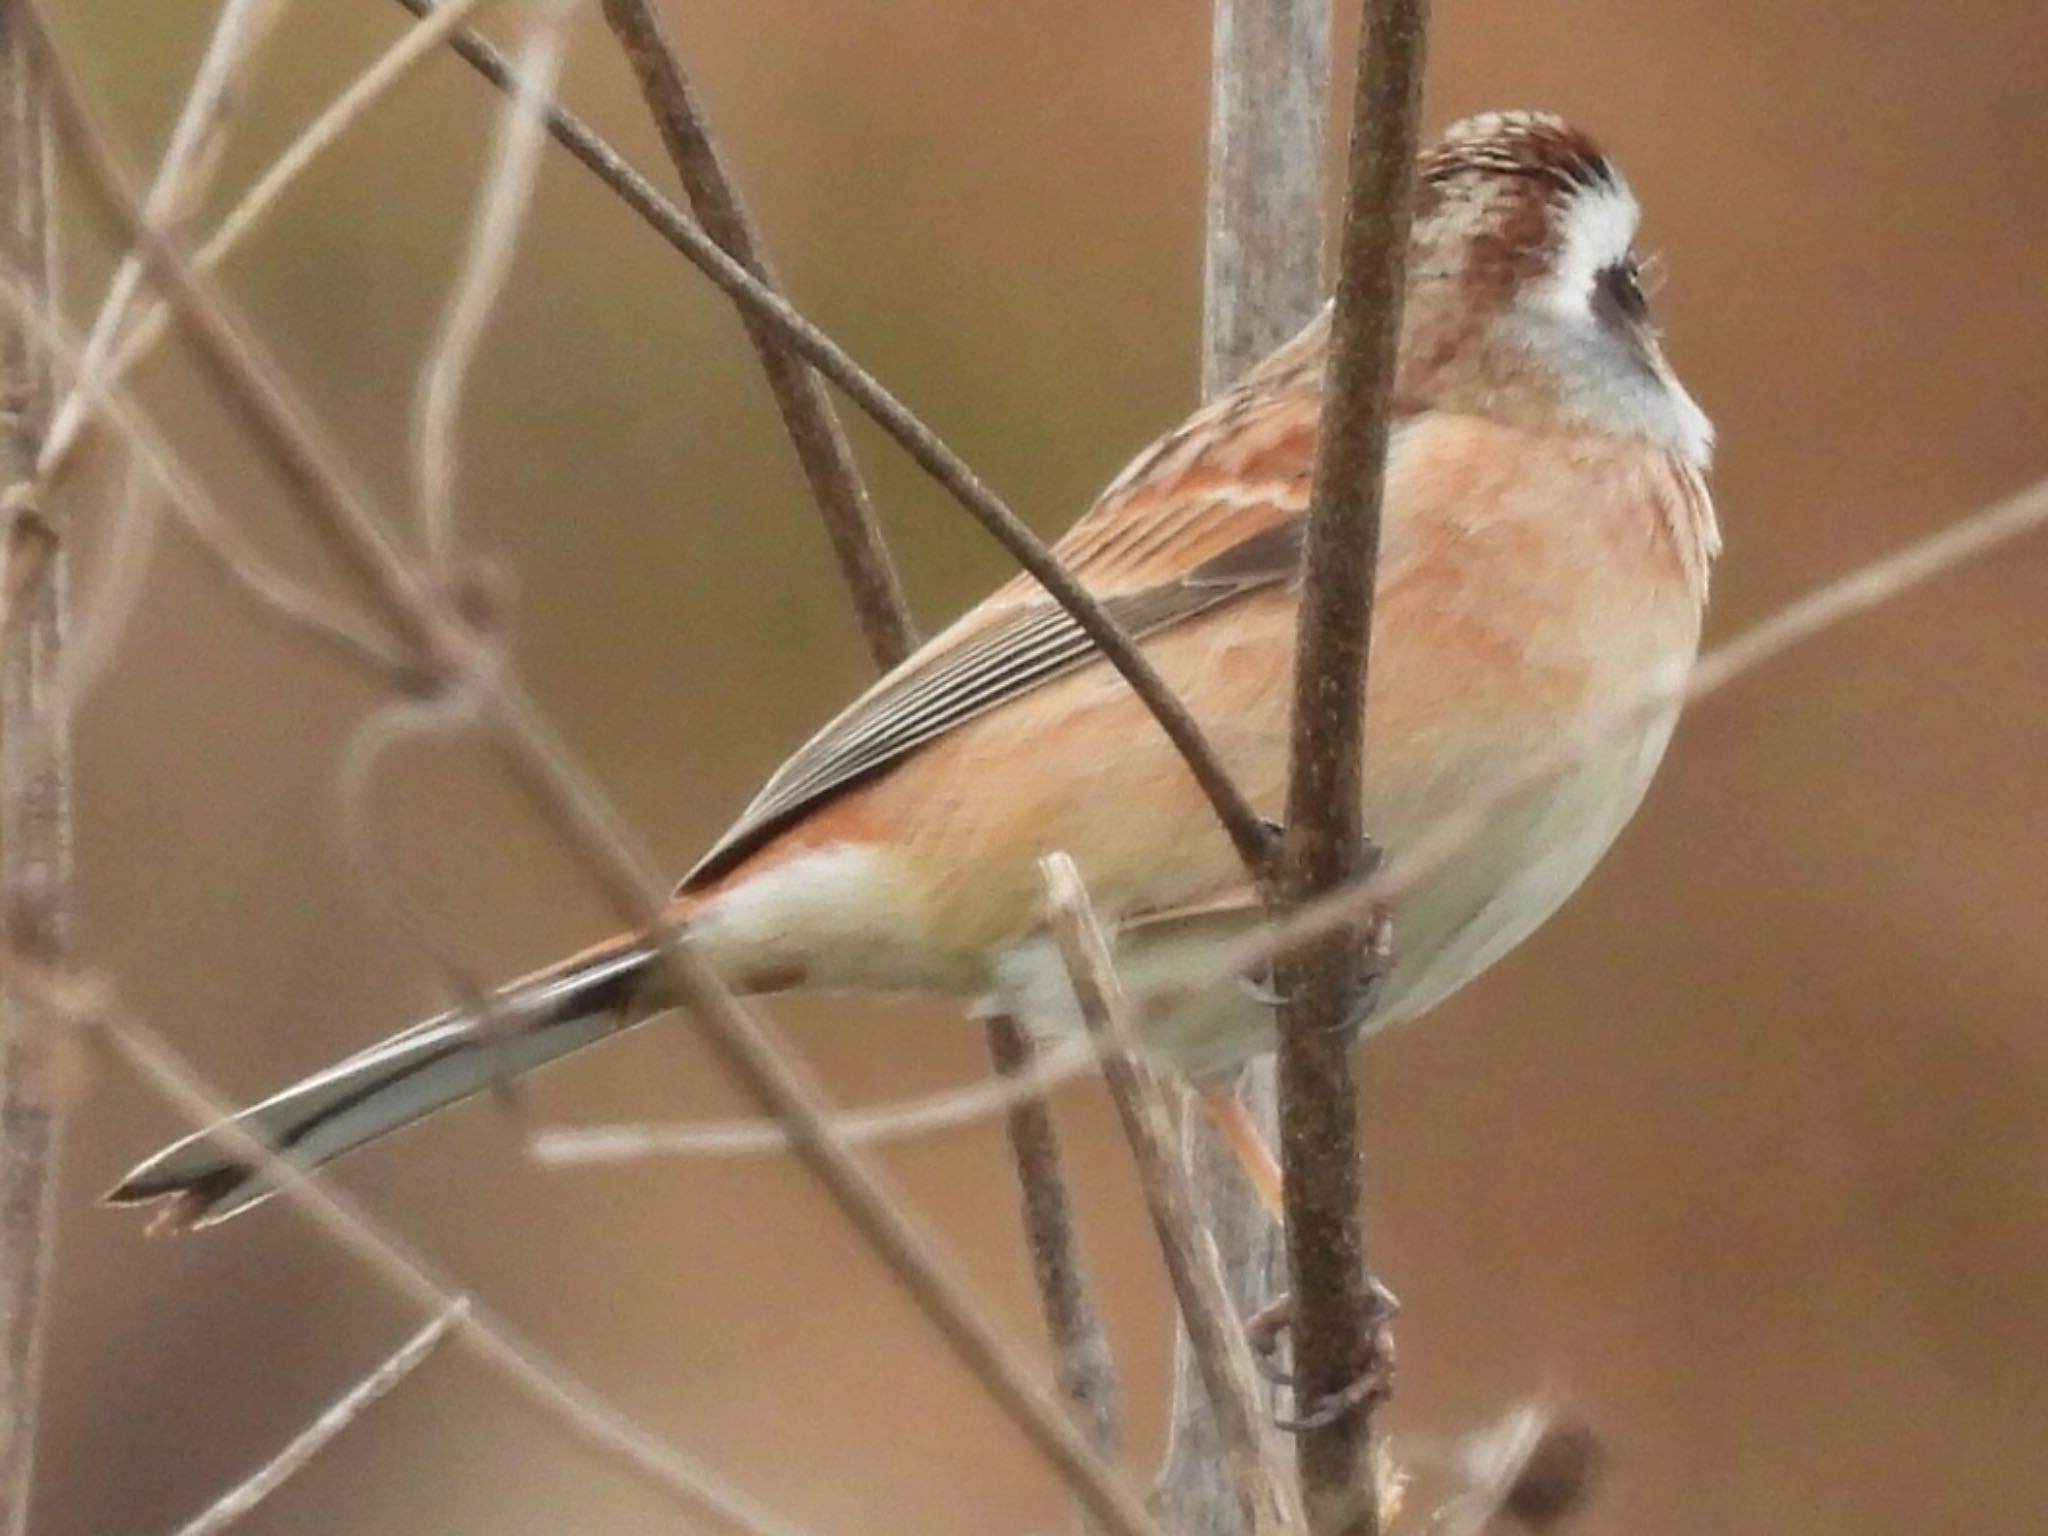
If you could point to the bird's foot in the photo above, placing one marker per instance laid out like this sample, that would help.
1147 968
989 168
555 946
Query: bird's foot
1364 987
1266 1331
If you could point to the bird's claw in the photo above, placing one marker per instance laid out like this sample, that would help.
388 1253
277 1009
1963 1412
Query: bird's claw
1362 993
1265 1329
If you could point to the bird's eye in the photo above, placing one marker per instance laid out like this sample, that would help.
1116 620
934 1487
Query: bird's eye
1618 293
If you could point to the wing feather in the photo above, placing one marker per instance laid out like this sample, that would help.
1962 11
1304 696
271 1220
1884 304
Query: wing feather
1210 512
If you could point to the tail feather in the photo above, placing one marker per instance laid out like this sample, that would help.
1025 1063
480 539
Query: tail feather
389 1086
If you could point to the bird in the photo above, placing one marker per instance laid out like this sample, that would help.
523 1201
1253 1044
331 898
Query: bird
1547 539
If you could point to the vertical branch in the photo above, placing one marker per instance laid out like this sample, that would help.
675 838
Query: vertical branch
1082 1363
1325 845
35 833
1269 85
1222 1353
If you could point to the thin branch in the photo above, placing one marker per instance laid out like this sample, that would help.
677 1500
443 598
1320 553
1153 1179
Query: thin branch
903 1120
1269 68
813 426
336 1417
273 594
1247 832
413 49
108 600
182 178
1217 1337
35 786
1082 1363
1083 1366
589 1419
341 511
1325 846
487 263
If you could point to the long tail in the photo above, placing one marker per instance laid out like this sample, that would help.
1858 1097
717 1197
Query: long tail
431 1066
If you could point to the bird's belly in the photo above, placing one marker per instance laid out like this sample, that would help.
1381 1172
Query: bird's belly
1505 881
1467 908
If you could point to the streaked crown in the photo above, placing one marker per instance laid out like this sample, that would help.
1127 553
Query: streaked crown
1525 296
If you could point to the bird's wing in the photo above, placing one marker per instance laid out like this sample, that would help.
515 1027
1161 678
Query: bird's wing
1019 648
1211 512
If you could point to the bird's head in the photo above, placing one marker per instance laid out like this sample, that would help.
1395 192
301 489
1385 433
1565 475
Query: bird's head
1525 292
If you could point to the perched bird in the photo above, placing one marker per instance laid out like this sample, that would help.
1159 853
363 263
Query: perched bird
1545 553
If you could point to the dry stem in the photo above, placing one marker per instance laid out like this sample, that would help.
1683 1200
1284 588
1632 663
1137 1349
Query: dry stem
342 512
325 131
1263 277
331 1421
1212 1325
1325 845
1082 1363
487 263
35 789
814 429
181 180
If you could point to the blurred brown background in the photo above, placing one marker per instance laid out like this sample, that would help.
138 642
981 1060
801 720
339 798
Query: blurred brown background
1746 1157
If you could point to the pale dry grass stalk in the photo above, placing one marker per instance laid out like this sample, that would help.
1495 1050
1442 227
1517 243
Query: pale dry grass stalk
1236 1404
326 130
493 241
108 595
452 653
299 610
902 1120
1325 847
35 781
299 1451
1269 86
182 179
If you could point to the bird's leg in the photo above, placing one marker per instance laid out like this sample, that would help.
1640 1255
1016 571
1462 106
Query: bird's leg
1240 1133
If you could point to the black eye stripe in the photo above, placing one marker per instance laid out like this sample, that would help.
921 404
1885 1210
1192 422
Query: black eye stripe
1618 294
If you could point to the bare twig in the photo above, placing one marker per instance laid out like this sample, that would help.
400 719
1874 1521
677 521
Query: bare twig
181 180
1082 1363
904 1120
322 134
35 785
1218 1339
487 263
595 1423
273 594
1325 845
1268 94
807 414
343 514
1248 834
107 600
336 1417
